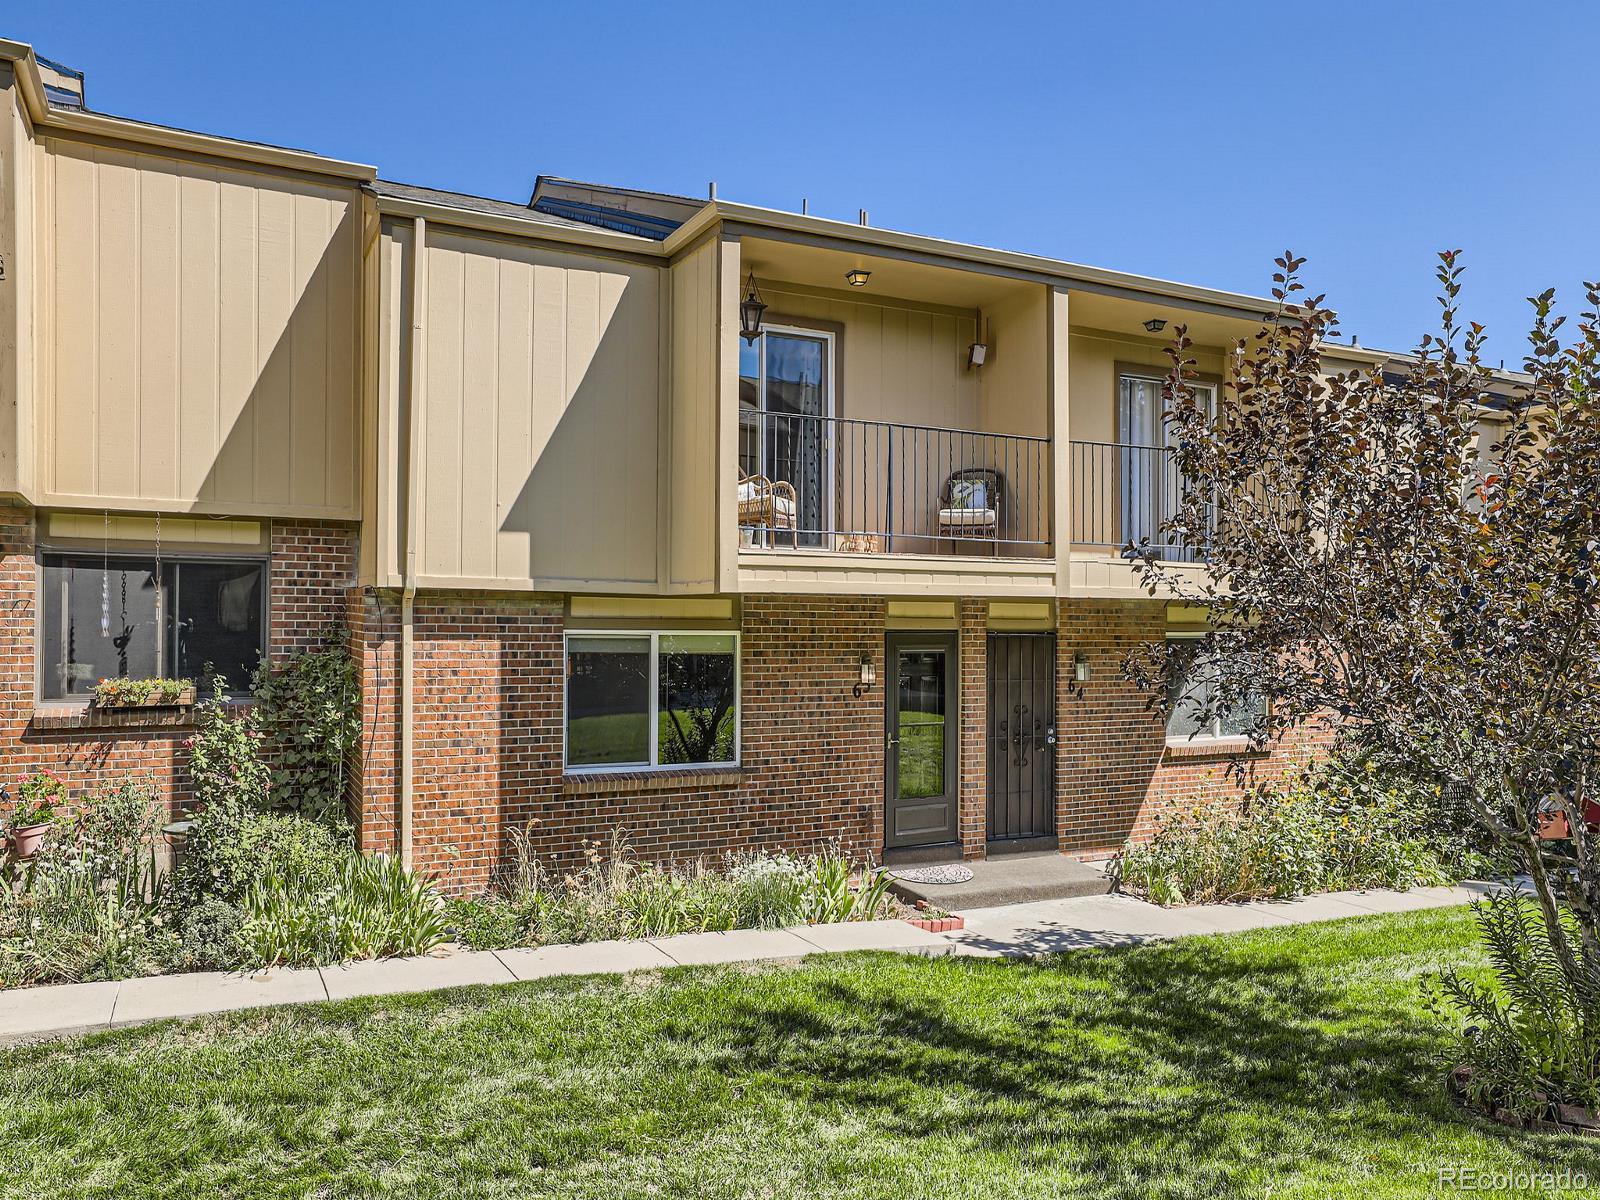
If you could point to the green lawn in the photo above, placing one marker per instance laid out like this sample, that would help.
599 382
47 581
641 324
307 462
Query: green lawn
1294 1063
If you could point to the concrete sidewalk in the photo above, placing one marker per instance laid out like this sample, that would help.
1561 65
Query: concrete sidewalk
1025 930
1016 930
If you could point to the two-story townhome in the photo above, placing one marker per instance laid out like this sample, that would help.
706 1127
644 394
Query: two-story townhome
717 525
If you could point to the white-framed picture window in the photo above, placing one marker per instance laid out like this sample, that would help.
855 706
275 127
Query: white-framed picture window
1192 712
647 699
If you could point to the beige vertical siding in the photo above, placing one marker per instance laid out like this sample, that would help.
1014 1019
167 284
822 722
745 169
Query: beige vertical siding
17 353
900 363
538 453
205 336
691 495
1015 399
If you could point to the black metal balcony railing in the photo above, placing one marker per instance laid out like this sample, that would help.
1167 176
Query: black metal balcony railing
1124 493
840 484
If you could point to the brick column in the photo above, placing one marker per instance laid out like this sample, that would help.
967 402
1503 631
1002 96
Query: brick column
973 822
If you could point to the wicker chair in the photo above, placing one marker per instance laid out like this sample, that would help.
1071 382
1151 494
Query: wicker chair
973 510
768 504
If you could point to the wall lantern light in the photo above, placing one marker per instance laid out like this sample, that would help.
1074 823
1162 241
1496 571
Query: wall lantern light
868 674
857 277
1080 667
976 353
1156 324
750 310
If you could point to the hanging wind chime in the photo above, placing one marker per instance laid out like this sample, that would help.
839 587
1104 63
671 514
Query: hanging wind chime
159 626
105 575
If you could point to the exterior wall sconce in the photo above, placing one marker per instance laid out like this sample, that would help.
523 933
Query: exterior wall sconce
868 675
857 277
976 353
1080 667
1156 324
750 310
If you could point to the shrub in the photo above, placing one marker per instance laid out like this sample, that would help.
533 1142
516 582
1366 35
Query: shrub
91 904
310 716
208 935
231 848
374 908
1328 830
1534 1040
225 753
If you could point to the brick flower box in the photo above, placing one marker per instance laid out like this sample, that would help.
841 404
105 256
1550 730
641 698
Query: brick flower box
937 924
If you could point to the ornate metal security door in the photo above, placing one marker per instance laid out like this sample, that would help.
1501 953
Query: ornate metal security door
1022 736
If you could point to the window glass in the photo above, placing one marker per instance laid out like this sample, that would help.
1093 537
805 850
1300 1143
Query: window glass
652 699
99 621
1188 693
216 610
697 698
608 701
1191 694
920 705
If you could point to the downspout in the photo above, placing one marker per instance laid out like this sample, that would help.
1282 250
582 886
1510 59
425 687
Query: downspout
408 592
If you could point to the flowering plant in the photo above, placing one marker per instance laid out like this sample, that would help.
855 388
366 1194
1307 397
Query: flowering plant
38 793
112 692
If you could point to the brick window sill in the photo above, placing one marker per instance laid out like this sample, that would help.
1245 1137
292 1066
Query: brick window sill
581 783
1232 747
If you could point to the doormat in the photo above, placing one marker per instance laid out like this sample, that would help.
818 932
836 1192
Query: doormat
944 873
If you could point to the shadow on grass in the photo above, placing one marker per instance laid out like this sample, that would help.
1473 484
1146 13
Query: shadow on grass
1176 1069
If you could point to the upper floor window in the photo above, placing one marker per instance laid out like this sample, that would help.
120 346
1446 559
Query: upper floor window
122 616
652 699
1193 711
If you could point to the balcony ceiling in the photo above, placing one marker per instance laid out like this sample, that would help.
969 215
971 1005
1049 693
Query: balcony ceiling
1115 314
824 267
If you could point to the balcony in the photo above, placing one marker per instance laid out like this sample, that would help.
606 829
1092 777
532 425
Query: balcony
1123 492
838 485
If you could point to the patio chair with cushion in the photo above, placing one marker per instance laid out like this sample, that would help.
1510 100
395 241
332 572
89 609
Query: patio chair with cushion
766 504
970 504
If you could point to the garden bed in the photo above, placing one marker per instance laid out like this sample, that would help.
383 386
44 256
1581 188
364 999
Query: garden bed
1555 1118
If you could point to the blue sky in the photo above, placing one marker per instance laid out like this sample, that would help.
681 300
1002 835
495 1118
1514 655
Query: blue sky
1189 141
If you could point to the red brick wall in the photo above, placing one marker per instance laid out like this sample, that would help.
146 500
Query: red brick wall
1115 772
490 676
973 665
311 563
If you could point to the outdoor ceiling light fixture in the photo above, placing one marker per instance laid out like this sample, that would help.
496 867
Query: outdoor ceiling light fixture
856 277
1156 324
868 674
750 310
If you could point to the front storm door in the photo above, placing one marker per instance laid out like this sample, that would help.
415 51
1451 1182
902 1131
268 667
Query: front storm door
920 741
1022 736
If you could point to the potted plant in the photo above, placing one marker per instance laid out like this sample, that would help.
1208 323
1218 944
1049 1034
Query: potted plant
144 693
38 794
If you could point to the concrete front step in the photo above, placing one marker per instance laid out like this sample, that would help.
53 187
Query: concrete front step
1010 879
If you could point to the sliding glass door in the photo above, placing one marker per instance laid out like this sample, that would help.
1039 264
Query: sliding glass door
1151 489
785 431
